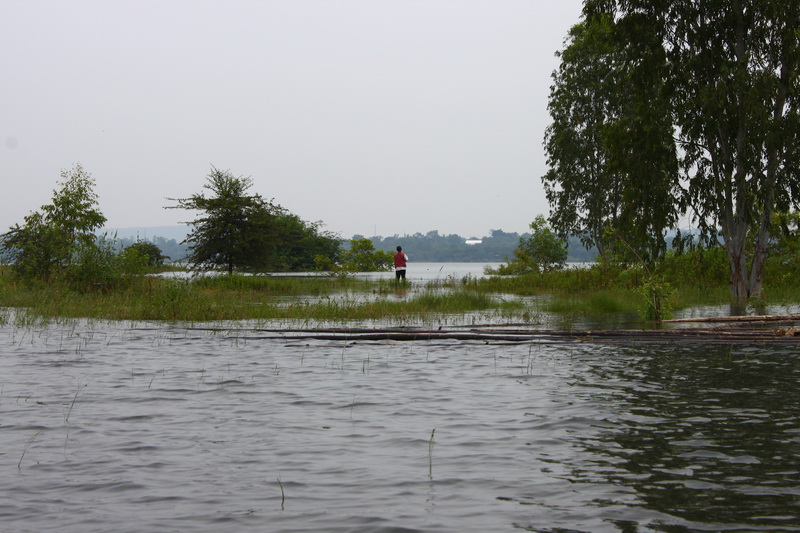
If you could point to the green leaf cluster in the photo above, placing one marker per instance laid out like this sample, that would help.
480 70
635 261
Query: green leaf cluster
237 230
669 110
363 257
147 251
540 251
612 158
59 241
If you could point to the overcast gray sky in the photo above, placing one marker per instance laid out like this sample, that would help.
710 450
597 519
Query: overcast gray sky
373 116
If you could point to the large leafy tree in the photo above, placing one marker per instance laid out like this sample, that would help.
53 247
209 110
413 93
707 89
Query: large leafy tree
613 166
237 230
583 191
63 231
732 70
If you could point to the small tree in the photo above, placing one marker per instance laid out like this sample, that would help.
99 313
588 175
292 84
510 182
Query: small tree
49 241
541 251
545 250
363 257
149 251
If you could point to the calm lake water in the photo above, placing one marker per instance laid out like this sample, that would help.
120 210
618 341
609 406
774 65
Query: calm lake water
145 427
424 272
440 271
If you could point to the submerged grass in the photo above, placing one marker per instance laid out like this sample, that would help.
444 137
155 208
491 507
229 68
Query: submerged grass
282 285
594 304
335 299
600 290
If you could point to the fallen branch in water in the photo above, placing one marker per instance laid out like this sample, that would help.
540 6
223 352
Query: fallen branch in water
734 334
747 318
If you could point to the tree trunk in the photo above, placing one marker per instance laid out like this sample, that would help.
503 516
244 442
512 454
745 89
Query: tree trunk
756 282
774 154
737 258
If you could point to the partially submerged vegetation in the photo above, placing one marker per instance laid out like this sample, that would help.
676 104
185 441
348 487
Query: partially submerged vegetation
57 267
239 297
685 279
602 289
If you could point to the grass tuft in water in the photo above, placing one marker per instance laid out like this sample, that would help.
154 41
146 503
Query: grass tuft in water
430 453
283 494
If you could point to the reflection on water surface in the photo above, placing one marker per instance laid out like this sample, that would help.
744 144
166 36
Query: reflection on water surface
138 427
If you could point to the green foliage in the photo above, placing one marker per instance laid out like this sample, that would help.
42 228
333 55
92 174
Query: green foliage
324 264
541 251
363 257
97 266
785 236
656 304
521 264
300 244
496 247
431 247
610 150
545 249
702 267
37 249
74 210
235 230
596 304
695 276
169 249
148 250
732 74
176 300
51 240
596 277
243 231
435 247
456 301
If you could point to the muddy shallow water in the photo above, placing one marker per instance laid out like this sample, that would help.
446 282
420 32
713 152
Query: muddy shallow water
140 427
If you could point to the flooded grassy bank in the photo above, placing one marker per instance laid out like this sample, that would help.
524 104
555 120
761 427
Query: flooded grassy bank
586 293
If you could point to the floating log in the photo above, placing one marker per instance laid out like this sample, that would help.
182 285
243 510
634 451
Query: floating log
746 318
490 335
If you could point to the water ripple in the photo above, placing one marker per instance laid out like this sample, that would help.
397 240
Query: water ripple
189 430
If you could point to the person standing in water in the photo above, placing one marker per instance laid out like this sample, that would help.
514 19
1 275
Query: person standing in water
400 261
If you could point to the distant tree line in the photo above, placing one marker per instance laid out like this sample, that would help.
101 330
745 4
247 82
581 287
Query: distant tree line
498 246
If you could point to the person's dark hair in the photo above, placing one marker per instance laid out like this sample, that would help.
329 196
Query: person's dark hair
399 248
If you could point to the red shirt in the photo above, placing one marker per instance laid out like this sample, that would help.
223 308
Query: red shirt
400 260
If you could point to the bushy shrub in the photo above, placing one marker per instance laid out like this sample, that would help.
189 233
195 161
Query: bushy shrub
150 251
58 242
541 251
656 304
363 257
